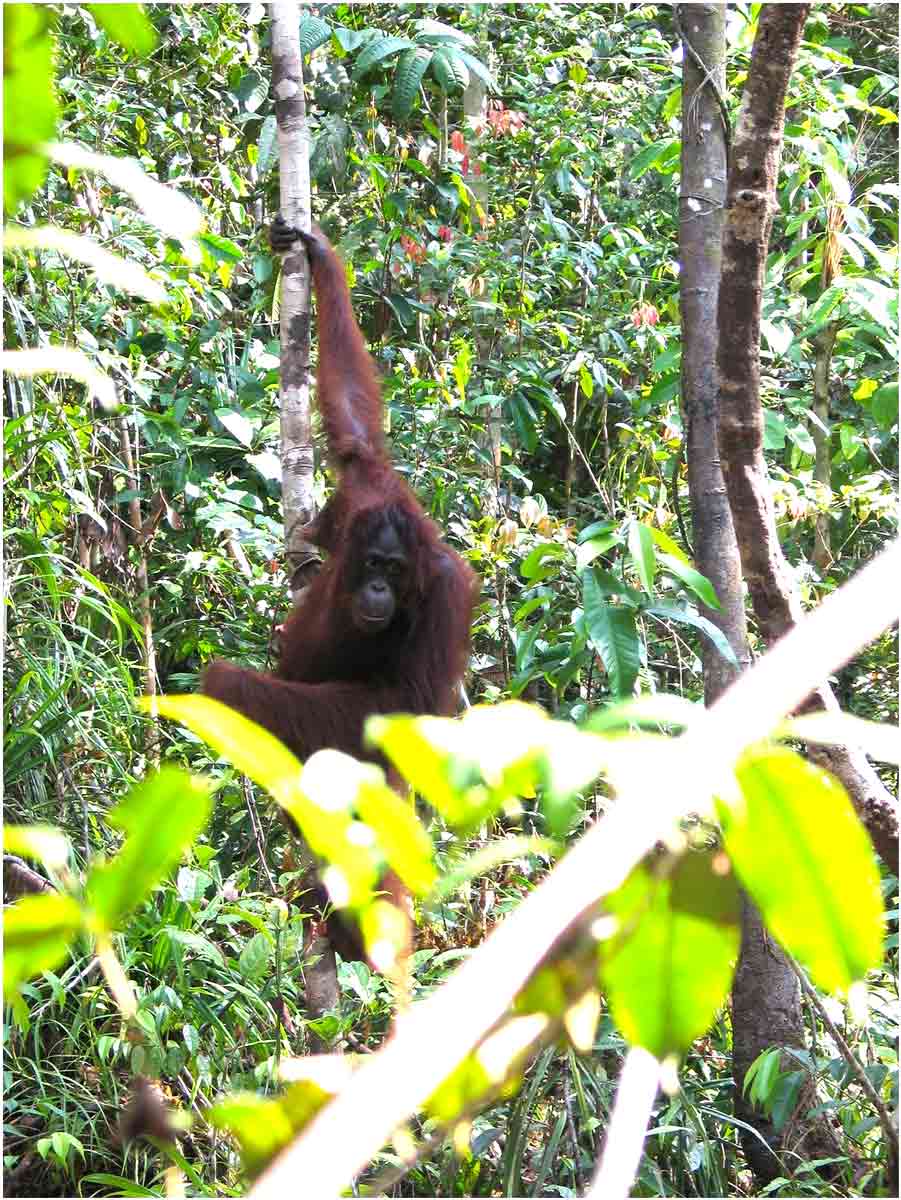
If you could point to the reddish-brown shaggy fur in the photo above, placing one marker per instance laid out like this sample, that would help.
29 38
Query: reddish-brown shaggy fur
331 677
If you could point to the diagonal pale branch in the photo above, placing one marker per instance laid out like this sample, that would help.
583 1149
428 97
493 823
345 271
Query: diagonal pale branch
431 1039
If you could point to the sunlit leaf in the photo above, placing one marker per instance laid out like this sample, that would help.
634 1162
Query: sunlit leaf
162 816
801 852
126 24
642 553
42 842
37 933
668 962
613 635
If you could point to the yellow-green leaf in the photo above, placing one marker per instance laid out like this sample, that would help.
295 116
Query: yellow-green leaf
804 857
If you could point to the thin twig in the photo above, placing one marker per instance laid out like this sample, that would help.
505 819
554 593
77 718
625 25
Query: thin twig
857 1067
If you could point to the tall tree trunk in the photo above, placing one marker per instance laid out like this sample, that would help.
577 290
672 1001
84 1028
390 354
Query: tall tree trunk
750 205
823 344
294 391
703 30
142 577
766 999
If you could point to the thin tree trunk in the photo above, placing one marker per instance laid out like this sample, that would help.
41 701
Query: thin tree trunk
474 104
751 203
700 243
295 207
766 999
296 429
136 538
823 344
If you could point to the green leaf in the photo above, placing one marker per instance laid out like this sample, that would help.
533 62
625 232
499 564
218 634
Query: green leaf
126 24
37 933
400 835
668 546
588 550
669 962
652 156
595 529
237 425
267 145
529 567
314 32
687 616
250 748
468 768
802 854
318 798
377 51
30 108
449 70
642 553
493 1067
612 631
411 66
161 816
477 67
43 842
884 406
693 580
255 957
430 30
263 1127
200 945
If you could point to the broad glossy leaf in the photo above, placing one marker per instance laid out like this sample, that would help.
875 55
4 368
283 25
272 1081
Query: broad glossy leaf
642 553
613 634
668 963
687 616
693 580
400 835
377 51
126 24
804 857
37 933
314 32
411 66
162 816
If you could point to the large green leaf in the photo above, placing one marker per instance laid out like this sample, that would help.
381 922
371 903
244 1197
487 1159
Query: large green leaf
37 933
314 32
449 70
377 51
262 1127
668 962
693 580
126 24
30 108
643 554
613 634
411 66
161 817
804 857
318 798
688 616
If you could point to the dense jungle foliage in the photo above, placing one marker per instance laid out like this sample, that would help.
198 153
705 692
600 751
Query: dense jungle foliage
503 183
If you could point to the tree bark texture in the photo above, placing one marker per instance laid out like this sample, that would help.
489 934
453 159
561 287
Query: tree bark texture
766 999
750 206
296 427
295 206
703 169
821 432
